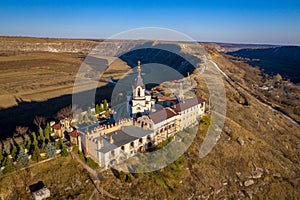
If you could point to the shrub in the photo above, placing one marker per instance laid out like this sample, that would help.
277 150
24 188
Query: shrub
122 176
22 159
64 151
90 162
205 120
50 150
59 144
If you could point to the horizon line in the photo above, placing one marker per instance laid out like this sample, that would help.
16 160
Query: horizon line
96 38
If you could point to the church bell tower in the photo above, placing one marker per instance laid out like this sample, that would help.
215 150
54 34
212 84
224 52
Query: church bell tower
141 101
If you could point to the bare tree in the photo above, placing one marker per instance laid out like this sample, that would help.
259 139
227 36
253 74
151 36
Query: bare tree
21 131
66 113
39 121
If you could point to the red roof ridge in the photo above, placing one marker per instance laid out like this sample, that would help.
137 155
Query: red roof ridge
162 115
56 126
74 133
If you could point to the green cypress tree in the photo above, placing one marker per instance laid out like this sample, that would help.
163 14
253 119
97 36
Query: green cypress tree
36 154
28 144
47 131
41 135
14 151
105 104
101 107
34 139
9 166
42 146
97 109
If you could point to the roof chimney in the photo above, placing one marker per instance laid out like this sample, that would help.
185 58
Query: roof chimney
111 140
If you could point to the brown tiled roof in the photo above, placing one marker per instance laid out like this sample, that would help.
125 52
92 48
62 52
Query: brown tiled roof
188 103
56 126
167 98
73 133
161 115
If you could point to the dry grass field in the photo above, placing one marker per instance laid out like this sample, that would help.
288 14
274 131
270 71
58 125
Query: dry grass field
36 76
40 82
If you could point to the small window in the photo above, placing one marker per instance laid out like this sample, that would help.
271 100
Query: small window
112 153
132 144
139 92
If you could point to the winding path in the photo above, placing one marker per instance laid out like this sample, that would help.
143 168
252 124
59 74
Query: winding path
259 101
97 176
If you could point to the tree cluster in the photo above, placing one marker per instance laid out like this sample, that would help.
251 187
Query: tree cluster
101 107
33 144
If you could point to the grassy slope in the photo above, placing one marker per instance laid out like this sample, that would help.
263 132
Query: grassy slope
57 175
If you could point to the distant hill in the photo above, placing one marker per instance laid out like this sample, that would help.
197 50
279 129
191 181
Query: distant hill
230 47
284 60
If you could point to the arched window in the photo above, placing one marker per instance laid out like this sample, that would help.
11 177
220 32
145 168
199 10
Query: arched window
139 92
141 140
132 144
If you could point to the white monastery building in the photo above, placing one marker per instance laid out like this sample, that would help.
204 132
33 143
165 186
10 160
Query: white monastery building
111 144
